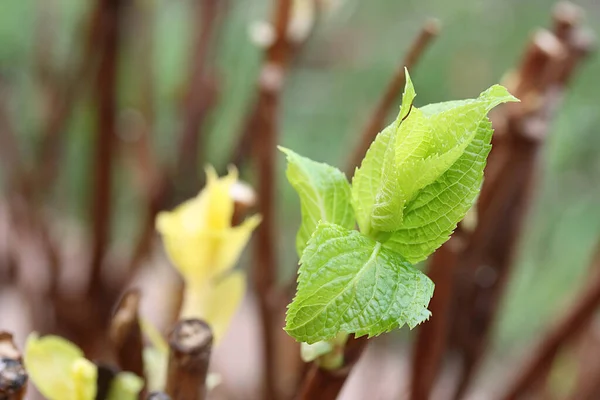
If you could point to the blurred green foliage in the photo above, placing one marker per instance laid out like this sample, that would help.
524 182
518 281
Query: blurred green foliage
332 89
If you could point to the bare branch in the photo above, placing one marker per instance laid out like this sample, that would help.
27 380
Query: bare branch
13 378
322 384
201 91
264 124
106 94
126 334
190 349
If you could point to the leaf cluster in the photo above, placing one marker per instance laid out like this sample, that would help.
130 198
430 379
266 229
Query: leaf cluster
418 179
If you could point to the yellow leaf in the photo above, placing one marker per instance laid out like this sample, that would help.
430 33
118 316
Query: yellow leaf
211 210
58 369
155 357
198 235
204 247
202 255
215 303
155 368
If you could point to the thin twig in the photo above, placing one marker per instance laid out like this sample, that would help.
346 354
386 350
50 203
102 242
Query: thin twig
502 206
190 348
13 377
322 384
126 334
428 32
294 49
199 99
539 84
63 100
106 94
430 344
587 384
104 379
264 124
199 96
561 333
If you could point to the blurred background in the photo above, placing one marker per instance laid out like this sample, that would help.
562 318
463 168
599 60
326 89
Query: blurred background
182 66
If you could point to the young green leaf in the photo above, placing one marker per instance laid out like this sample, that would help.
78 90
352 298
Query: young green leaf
350 283
413 153
433 214
125 386
324 195
375 193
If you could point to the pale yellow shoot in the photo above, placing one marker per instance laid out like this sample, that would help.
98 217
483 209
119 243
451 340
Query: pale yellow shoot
155 357
58 369
204 247
216 302
125 386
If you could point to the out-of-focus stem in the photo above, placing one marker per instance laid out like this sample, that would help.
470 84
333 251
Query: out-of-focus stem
264 123
190 346
13 377
126 334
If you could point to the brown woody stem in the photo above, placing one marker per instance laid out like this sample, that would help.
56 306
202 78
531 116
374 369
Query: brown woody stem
13 377
126 334
190 348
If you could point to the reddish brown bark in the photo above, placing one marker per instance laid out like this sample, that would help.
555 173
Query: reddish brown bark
126 334
190 346
264 124
106 131
482 266
322 384
13 377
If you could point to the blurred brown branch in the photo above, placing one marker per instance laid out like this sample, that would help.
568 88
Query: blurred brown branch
126 334
201 92
323 384
62 92
475 264
199 98
244 143
265 125
106 132
189 356
13 378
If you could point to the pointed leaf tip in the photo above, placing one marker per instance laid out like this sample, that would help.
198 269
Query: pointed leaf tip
408 96
498 94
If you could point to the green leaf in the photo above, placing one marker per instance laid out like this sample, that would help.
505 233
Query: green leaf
374 184
125 386
350 283
412 153
432 215
324 195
